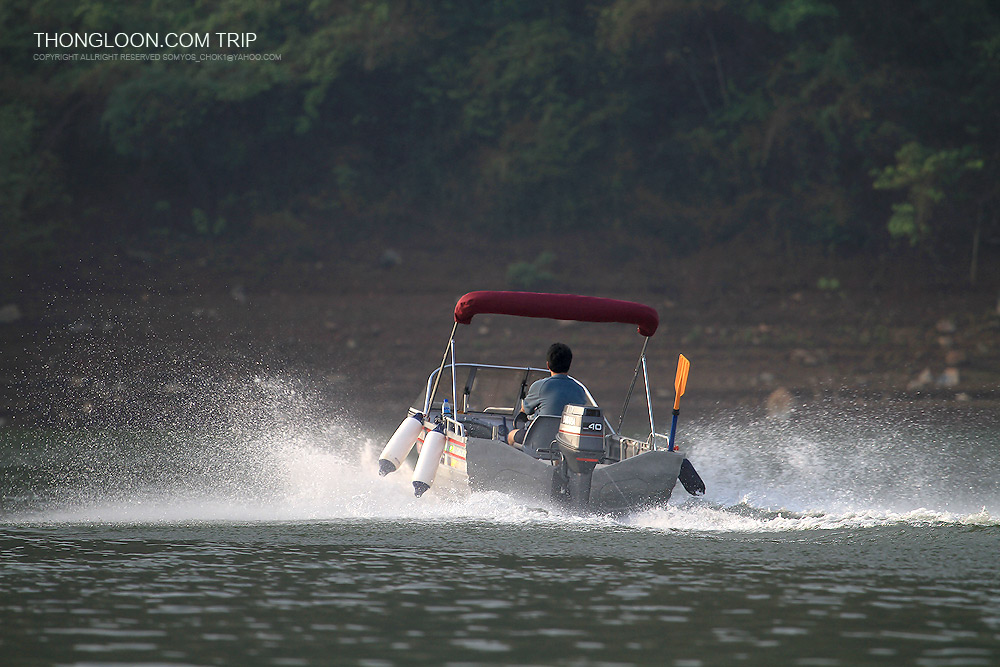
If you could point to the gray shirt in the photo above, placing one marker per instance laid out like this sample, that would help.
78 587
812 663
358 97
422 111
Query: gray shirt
550 395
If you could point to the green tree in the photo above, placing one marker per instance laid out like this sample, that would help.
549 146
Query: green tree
695 120
924 175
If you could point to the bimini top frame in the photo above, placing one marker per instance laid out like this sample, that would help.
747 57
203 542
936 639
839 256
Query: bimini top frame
555 307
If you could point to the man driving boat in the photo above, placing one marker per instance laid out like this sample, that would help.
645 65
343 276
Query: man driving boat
550 395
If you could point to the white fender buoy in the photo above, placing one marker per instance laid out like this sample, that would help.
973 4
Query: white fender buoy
400 444
427 462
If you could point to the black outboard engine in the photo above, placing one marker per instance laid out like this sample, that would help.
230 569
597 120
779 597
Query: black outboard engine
581 442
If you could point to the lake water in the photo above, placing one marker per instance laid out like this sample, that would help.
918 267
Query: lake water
834 539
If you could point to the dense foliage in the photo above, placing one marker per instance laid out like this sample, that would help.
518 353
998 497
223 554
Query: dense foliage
844 123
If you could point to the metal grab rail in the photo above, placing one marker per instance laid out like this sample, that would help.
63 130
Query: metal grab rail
454 426
432 381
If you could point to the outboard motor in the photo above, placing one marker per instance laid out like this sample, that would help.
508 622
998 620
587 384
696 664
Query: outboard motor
581 442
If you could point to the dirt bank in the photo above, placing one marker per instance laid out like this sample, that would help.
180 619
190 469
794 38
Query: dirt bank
143 334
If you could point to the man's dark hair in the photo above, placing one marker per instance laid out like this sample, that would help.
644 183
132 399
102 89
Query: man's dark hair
559 358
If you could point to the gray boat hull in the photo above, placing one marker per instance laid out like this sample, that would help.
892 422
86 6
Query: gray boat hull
495 466
638 482
642 481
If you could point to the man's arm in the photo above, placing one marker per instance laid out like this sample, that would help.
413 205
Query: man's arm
533 398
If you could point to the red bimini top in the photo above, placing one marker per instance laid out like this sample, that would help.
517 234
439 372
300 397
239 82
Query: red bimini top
557 307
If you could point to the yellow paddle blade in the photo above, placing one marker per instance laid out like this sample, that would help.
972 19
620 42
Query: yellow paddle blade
681 380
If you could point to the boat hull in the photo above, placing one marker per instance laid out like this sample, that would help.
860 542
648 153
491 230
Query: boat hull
642 481
496 466
639 482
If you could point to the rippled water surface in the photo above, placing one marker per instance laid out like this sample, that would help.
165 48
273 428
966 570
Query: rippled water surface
812 547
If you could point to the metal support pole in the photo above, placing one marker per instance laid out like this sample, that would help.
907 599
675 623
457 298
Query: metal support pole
437 380
649 404
635 376
454 389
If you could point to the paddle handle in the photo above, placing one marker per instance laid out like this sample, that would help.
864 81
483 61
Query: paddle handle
673 430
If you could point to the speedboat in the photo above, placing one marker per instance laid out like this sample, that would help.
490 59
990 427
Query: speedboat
578 459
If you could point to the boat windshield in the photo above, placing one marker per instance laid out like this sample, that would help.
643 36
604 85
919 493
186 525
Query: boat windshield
490 389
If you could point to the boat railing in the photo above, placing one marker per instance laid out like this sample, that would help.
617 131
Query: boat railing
660 441
629 447
454 426
527 369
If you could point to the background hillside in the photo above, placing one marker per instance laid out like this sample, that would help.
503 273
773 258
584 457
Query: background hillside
806 190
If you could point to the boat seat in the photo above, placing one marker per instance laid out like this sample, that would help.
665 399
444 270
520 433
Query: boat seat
540 435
